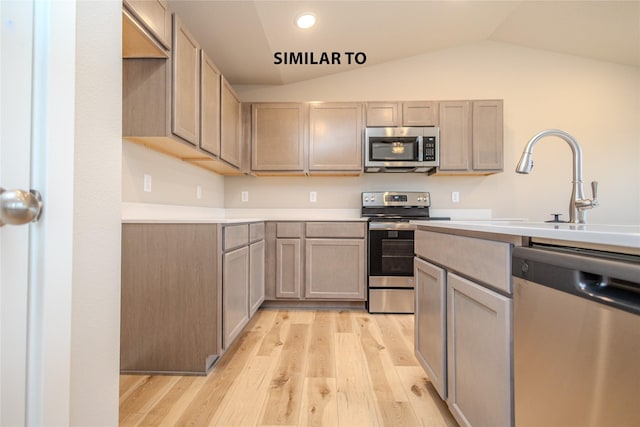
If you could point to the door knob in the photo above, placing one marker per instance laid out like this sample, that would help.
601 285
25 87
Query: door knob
19 207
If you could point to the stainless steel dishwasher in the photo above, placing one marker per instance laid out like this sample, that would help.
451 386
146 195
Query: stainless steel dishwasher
576 337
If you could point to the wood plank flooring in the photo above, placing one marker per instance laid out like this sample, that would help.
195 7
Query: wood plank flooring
298 368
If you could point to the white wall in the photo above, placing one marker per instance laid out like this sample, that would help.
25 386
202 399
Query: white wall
95 293
173 182
596 102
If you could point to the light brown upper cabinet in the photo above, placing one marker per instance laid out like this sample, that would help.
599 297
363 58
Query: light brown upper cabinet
186 84
231 139
487 134
384 114
335 138
420 113
146 29
471 137
174 105
410 113
210 106
278 138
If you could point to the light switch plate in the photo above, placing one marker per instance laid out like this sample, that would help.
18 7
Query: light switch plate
244 196
313 196
455 197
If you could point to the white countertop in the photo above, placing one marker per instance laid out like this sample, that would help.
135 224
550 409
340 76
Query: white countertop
599 234
170 214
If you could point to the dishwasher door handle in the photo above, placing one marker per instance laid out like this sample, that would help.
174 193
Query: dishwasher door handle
615 292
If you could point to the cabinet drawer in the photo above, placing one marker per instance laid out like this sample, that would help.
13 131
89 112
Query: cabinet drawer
336 229
256 232
487 261
289 230
235 236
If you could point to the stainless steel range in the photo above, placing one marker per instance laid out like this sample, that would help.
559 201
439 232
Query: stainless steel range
390 250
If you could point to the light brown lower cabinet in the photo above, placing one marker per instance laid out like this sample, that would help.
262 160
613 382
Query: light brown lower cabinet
463 324
479 354
335 268
169 298
235 294
288 271
316 260
242 277
188 290
256 276
431 322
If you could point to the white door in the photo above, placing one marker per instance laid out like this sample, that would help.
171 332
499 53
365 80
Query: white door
27 128
15 169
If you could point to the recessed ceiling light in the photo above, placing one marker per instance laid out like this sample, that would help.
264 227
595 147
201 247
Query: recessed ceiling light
305 20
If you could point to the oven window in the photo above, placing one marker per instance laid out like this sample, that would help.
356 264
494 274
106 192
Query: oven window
393 149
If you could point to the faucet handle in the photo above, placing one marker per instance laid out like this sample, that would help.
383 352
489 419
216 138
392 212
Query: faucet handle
594 191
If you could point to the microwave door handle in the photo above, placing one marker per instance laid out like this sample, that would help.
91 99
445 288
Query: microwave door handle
420 149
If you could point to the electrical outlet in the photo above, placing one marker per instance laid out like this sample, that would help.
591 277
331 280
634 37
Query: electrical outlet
313 196
244 196
147 183
455 197
198 192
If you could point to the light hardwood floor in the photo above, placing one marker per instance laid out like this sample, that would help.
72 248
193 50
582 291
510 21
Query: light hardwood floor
298 368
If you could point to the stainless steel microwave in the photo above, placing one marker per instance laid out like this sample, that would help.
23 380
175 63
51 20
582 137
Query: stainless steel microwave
401 149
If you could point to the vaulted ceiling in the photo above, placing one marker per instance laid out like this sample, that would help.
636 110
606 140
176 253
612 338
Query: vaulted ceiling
243 36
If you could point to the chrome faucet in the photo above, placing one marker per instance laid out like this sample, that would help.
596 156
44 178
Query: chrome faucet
578 204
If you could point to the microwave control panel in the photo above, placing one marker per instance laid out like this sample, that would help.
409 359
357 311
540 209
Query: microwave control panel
429 148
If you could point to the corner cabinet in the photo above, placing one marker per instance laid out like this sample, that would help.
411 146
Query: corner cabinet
463 324
471 137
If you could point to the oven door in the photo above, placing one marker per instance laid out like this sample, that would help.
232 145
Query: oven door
390 258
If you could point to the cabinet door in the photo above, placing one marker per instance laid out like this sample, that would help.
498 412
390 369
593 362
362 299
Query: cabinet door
455 136
420 113
230 150
488 135
156 17
335 268
430 323
210 105
256 276
186 84
384 114
288 275
277 137
335 137
235 294
479 354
